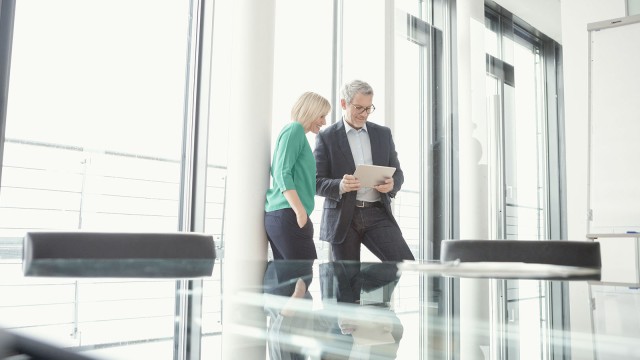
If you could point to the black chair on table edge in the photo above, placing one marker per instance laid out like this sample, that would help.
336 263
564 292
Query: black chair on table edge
579 254
82 254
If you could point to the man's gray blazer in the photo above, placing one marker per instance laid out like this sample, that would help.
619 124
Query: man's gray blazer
334 160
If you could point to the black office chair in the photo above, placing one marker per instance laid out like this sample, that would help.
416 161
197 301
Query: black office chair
13 346
82 254
118 254
576 260
553 252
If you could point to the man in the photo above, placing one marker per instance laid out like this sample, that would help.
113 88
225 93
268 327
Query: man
353 214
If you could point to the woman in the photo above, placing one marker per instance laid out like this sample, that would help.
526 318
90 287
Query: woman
290 199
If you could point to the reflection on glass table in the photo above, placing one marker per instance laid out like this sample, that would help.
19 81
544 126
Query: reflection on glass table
349 324
412 310
348 310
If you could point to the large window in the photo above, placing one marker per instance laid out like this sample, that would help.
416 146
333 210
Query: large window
401 54
94 141
99 125
307 68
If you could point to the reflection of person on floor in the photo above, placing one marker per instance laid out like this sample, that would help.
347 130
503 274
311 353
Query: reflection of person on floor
338 331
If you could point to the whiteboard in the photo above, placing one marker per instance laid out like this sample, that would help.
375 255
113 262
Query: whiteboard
614 126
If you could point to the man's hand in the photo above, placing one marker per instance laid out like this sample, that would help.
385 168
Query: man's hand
349 183
386 187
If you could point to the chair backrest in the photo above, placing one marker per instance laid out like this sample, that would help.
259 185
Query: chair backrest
118 254
552 252
22 347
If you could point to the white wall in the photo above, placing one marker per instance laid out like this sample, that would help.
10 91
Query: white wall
575 15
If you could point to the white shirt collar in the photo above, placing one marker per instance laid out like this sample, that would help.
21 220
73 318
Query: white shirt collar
348 127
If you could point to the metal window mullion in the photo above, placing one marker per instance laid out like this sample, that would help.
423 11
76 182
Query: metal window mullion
451 287
336 58
187 331
544 131
498 319
496 166
554 136
425 128
7 15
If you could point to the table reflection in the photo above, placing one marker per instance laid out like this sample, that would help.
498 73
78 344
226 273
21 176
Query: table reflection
340 310
424 310
356 320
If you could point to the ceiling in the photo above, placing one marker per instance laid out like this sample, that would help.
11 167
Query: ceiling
543 15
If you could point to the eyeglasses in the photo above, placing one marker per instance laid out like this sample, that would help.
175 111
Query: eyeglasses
361 109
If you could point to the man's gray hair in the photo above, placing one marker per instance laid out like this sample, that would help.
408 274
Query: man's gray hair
350 89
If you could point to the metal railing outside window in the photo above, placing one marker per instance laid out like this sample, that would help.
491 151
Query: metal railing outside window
82 189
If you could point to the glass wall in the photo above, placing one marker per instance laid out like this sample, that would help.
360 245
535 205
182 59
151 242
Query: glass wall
96 128
94 138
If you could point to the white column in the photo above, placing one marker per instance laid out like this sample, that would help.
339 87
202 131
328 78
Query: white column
473 155
248 172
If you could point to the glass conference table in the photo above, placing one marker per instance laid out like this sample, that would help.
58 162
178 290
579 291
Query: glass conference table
430 310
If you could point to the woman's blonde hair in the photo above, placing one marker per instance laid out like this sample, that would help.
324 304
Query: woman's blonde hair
309 107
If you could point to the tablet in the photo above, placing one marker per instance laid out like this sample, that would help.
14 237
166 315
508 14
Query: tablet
372 175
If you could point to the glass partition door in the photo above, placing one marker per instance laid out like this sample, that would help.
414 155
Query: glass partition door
519 177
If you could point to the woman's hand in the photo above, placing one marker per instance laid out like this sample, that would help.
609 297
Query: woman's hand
301 214
302 219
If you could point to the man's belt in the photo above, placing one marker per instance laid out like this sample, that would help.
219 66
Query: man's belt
364 204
